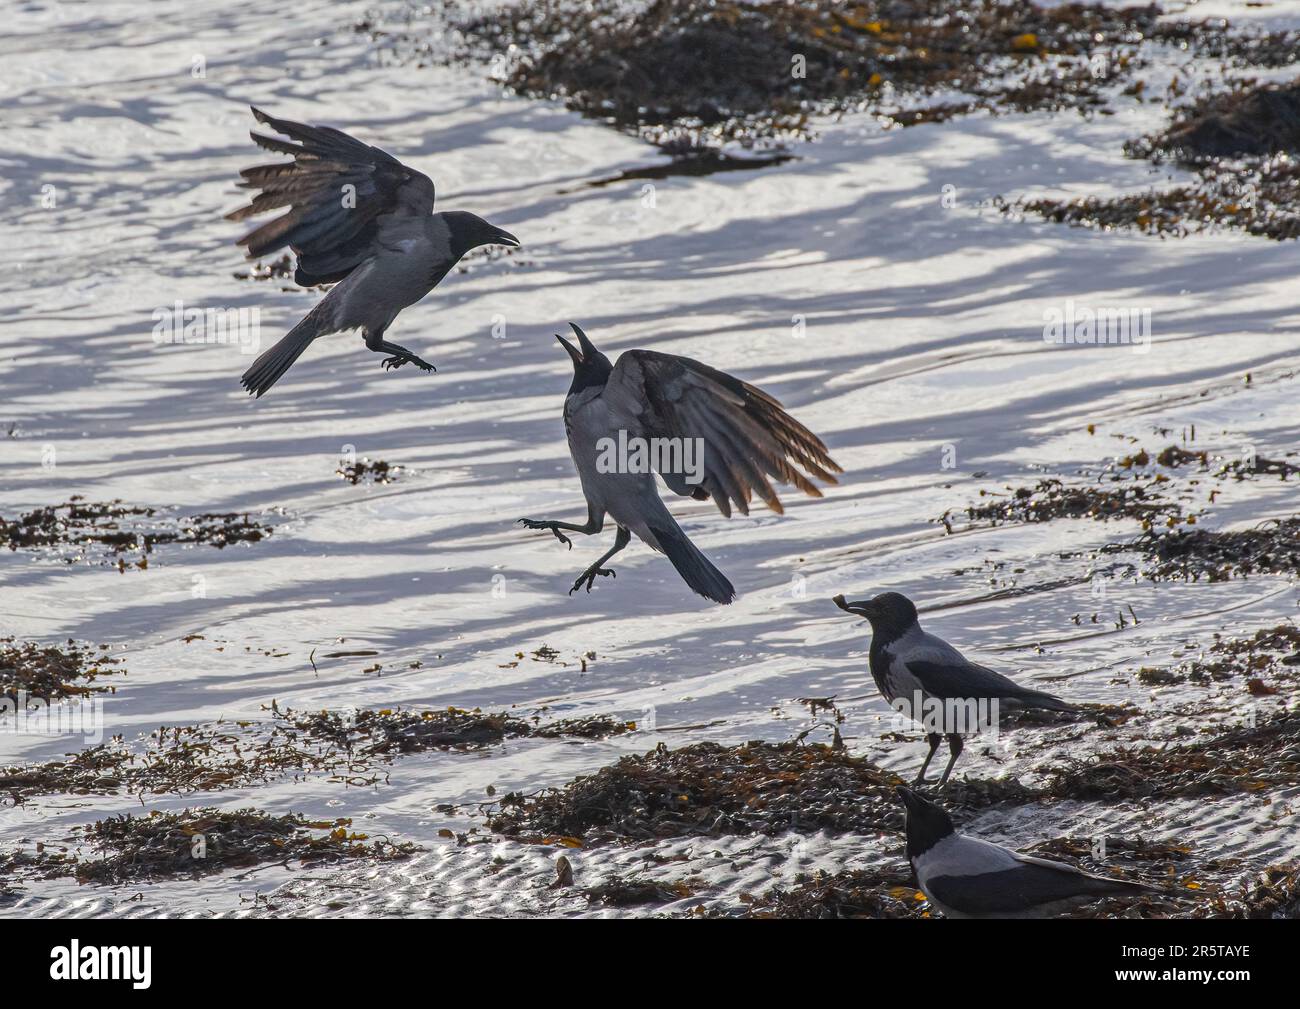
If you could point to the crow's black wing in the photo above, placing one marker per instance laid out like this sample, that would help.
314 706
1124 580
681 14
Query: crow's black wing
747 436
1033 883
339 192
961 678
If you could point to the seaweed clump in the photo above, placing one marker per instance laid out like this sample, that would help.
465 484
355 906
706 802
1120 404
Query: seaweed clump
1175 456
368 471
1051 499
694 74
1193 886
1250 122
203 841
688 67
1245 759
861 893
1243 145
389 732
19 865
1274 892
52 672
78 527
710 789
1263 653
349 748
199 842
1184 878
1213 555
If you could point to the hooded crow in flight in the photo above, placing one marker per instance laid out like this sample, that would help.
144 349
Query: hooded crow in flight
359 219
707 434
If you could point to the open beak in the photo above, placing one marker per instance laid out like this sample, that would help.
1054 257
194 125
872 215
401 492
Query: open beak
574 352
501 237
588 348
585 351
864 608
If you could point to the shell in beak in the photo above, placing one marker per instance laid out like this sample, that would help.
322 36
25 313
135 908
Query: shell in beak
863 608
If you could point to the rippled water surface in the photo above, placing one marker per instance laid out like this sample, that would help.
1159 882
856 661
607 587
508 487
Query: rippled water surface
920 360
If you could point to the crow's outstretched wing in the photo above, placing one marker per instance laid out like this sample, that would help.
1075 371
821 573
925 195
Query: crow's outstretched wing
748 439
339 191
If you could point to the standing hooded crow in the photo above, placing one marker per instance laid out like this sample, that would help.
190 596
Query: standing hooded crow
910 665
360 219
743 436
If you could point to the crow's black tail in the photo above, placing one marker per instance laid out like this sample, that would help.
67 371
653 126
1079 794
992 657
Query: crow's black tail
696 570
1040 699
267 369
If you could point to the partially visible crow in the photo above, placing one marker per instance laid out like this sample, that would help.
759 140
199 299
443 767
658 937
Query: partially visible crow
737 437
360 219
965 877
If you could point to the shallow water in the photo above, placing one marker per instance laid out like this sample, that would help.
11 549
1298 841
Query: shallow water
921 344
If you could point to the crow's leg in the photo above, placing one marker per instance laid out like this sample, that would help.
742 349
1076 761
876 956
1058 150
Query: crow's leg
934 739
954 749
589 576
595 523
398 355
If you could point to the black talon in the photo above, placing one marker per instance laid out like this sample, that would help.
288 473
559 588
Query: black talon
550 527
397 360
589 576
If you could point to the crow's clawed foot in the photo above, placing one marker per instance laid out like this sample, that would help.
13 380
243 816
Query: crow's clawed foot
589 577
397 360
550 526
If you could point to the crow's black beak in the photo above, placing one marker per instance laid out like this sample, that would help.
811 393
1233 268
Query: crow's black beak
574 352
861 609
909 798
588 348
500 237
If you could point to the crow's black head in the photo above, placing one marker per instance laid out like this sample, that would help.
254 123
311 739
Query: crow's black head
590 366
927 823
891 614
469 231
